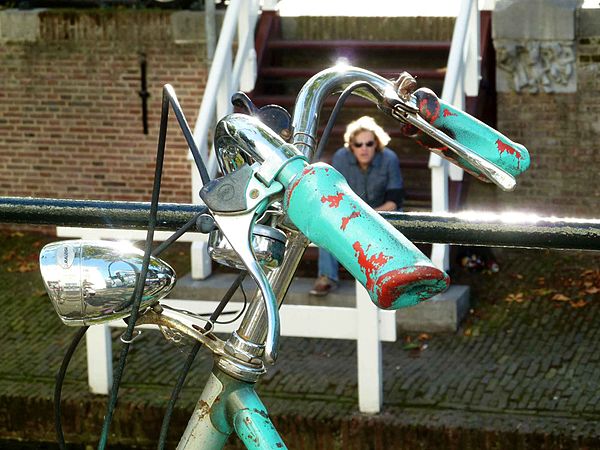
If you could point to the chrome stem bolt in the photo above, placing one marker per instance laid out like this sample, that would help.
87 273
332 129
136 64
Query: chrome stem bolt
405 86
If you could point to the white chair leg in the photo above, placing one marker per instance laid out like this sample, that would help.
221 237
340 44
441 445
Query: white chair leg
201 262
370 388
99 359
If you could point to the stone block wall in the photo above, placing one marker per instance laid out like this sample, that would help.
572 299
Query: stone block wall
70 109
562 132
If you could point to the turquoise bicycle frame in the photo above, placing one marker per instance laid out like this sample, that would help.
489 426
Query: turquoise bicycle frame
229 405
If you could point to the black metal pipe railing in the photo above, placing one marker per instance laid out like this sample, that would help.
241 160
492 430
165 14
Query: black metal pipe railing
468 228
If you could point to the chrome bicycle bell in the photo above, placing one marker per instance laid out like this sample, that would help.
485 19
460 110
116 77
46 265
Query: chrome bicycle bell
91 282
268 244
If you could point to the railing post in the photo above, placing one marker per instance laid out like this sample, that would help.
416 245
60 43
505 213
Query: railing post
244 76
472 73
439 204
462 77
210 26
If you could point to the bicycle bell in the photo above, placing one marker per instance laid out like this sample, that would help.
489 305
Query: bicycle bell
91 282
268 244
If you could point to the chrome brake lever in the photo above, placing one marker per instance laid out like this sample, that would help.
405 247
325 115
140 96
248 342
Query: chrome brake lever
235 201
402 106
497 175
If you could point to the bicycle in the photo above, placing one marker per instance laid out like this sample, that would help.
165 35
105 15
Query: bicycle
262 213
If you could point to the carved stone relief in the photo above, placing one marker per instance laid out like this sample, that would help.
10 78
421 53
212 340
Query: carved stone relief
535 66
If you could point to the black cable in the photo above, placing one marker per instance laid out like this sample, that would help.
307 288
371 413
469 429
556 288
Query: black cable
139 287
241 311
187 133
336 109
164 429
223 303
165 244
60 377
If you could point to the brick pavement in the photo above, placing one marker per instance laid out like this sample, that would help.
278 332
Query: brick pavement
519 374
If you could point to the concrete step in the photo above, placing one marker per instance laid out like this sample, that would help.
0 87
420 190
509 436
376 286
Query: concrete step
443 313
390 73
371 45
215 287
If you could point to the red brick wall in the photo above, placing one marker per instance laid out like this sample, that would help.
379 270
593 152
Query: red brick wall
70 117
70 113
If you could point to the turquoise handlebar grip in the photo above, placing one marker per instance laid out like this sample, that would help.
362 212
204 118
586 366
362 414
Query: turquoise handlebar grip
395 273
488 143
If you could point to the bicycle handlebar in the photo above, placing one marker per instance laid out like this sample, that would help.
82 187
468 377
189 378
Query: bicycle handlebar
466 141
319 201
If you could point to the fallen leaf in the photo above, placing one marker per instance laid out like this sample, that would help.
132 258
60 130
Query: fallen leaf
592 290
560 298
578 304
542 291
17 234
27 267
424 337
468 332
518 298
8 256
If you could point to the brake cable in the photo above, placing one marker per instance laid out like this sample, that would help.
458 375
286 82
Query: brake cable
60 377
336 109
169 99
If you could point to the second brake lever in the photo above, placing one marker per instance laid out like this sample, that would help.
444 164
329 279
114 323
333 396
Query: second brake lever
476 147
497 175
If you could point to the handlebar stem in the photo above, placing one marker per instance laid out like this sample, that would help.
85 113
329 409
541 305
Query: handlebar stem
313 94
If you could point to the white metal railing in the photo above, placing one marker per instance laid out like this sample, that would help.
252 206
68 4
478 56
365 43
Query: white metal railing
462 79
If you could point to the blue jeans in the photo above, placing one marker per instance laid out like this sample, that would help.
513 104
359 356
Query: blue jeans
328 265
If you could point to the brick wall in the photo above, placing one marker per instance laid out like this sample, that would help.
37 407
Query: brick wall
71 127
562 133
70 112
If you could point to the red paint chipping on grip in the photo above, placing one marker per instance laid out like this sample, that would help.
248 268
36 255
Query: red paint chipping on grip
333 200
307 171
503 147
369 264
393 284
447 113
429 107
346 220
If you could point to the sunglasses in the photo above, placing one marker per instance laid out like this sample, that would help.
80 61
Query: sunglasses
366 144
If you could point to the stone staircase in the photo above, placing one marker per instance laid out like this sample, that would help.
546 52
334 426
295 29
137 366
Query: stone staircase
287 59
291 50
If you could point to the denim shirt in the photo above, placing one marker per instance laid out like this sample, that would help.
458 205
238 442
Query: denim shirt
382 176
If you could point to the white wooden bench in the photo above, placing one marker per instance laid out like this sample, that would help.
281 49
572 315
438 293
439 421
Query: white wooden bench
365 323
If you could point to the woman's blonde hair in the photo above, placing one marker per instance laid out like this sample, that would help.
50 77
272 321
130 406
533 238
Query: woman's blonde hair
366 123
